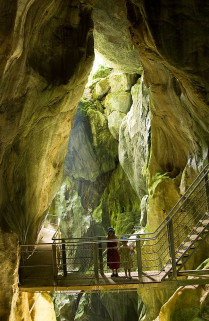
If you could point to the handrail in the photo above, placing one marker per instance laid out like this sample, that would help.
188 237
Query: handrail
161 251
183 196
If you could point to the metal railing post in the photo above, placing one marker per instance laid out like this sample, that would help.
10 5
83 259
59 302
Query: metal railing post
207 189
101 264
54 262
171 246
64 261
139 259
95 257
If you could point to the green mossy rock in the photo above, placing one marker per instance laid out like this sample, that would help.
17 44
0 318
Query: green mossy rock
102 72
122 82
120 101
114 121
119 206
101 88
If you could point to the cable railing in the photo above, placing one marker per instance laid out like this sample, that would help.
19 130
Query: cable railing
156 256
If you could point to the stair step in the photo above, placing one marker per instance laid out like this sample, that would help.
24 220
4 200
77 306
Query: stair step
181 251
200 229
204 222
187 244
195 237
168 267
182 255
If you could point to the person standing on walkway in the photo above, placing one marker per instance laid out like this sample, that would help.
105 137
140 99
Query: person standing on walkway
113 256
126 256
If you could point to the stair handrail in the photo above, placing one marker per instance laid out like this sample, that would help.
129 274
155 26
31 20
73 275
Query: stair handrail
169 216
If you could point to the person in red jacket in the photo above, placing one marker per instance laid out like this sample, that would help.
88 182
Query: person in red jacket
113 256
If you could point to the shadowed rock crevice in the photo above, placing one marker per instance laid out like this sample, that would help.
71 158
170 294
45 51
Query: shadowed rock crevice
66 44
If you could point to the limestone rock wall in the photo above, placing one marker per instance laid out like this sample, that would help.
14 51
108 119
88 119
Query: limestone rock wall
112 37
177 90
44 63
9 260
45 57
135 139
33 307
109 307
96 190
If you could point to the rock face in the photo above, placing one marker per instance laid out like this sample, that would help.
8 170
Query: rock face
96 190
179 127
9 261
135 137
112 38
108 307
189 303
33 306
44 67
45 57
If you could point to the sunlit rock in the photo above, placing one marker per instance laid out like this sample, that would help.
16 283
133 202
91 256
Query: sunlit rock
114 122
153 299
177 89
144 210
33 307
120 101
101 88
111 35
134 139
122 81
184 304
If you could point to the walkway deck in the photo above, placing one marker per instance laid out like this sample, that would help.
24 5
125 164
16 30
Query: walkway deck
159 259
75 283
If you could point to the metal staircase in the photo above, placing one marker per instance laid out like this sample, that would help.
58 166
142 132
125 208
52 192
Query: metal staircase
180 234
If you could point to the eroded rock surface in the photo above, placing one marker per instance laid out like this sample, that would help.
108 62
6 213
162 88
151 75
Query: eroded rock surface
112 38
9 261
134 139
48 57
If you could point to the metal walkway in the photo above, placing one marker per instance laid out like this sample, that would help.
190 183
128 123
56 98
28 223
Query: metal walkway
158 259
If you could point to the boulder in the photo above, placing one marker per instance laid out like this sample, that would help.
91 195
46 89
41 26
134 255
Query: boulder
114 122
101 88
122 81
120 101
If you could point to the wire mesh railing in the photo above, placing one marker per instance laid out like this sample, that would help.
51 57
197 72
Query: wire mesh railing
157 255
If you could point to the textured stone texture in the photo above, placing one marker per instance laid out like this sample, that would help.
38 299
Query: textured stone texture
48 57
33 307
134 139
96 187
185 304
45 52
153 299
114 122
9 260
101 88
177 88
111 35
108 307
120 101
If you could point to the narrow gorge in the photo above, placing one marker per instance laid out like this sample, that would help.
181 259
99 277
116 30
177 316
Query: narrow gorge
104 122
